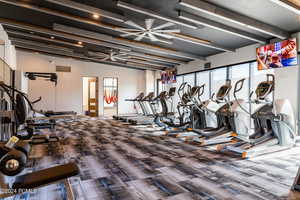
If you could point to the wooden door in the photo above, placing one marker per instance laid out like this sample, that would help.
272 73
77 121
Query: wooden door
93 97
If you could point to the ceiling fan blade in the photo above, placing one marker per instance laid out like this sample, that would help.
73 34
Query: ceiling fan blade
149 23
130 34
163 35
128 29
122 59
139 38
153 38
164 26
168 31
105 59
98 54
122 54
131 23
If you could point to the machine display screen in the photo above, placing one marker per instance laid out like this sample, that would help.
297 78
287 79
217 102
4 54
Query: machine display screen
222 91
277 55
262 89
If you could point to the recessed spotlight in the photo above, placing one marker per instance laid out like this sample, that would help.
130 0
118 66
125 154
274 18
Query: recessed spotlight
52 37
95 16
80 43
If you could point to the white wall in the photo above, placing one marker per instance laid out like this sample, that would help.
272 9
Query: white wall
67 95
150 81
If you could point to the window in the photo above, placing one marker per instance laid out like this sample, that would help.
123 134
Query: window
236 73
258 75
190 79
203 78
218 78
178 83
160 87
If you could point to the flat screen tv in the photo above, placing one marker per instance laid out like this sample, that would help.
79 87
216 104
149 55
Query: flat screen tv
277 55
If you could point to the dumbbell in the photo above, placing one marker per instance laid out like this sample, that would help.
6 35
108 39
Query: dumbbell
13 162
13 156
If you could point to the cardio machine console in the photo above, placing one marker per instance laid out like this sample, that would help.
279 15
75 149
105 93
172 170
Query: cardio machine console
172 91
223 92
264 89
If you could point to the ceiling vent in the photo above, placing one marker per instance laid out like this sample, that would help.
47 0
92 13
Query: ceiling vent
207 65
63 69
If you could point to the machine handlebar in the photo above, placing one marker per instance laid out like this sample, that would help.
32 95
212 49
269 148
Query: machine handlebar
38 100
238 86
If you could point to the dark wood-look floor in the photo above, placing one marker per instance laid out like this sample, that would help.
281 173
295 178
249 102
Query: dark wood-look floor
121 162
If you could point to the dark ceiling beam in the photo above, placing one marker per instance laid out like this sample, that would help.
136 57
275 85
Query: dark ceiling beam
230 16
32 36
177 36
30 28
158 58
129 43
89 9
100 56
93 11
185 38
46 50
38 29
154 14
58 14
148 57
67 16
220 27
193 40
107 26
288 5
29 42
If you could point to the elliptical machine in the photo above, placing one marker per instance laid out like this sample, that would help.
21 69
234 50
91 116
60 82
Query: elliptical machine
215 117
274 125
183 121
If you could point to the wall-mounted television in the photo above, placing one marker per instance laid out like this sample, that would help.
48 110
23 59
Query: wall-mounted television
277 55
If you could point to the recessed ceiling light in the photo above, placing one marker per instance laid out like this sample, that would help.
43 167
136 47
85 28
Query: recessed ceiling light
52 37
95 16
31 32
80 43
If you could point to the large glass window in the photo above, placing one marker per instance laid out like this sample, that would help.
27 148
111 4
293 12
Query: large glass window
236 73
190 79
179 81
203 78
258 75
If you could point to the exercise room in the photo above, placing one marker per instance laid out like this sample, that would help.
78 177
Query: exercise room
149 99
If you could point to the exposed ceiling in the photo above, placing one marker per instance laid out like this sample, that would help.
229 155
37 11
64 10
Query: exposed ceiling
119 32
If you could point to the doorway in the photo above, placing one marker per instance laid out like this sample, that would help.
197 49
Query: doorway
90 96
110 91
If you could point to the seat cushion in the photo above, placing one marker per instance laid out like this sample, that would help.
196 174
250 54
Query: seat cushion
45 176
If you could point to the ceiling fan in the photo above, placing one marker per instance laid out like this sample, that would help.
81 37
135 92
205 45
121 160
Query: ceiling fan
114 56
155 34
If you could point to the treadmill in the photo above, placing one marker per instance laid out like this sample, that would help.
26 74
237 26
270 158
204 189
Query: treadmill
136 99
145 108
153 103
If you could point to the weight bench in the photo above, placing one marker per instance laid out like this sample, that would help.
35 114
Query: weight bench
44 177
